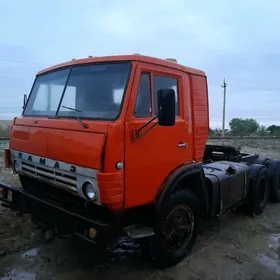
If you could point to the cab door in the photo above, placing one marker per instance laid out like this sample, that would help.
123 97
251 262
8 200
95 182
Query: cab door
158 150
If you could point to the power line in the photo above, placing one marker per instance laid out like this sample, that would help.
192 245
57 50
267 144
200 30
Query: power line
22 62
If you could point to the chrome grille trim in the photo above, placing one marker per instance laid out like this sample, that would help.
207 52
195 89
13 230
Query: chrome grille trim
57 184
53 175
57 173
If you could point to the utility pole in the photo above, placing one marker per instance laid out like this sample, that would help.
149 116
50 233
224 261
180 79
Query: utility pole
224 85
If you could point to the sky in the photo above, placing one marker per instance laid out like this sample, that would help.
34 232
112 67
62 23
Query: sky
235 40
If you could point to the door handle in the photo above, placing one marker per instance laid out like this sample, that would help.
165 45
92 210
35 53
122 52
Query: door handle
182 145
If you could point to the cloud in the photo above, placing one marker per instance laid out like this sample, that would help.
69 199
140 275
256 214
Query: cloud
236 40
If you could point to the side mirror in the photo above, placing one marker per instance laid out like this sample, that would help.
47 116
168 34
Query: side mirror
166 107
24 101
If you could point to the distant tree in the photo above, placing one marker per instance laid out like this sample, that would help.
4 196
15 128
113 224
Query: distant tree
236 126
262 130
252 126
274 129
240 126
218 131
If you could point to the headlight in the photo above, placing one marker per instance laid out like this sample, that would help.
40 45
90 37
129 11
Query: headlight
89 191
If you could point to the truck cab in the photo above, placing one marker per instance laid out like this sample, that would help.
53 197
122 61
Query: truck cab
84 123
115 145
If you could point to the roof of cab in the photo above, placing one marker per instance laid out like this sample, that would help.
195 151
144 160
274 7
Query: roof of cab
114 58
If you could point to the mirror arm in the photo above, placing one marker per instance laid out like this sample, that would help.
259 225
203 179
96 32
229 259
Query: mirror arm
24 101
137 133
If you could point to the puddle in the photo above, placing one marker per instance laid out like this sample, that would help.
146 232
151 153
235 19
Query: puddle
274 245
272 260
270 263
274 241
4 143
19 274
30 253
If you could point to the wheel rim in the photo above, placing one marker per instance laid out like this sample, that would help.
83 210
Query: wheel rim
178 228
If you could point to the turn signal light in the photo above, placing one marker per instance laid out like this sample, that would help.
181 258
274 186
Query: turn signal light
92 233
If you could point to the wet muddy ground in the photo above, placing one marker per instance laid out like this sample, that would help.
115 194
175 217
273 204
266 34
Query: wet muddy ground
232 247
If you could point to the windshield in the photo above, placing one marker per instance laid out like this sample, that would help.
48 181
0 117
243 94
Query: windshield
96 90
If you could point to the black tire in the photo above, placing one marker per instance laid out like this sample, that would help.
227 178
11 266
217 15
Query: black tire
258 189
246 163
185 203
264 161
145 248
274 178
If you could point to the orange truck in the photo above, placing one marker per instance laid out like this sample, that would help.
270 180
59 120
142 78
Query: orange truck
115 146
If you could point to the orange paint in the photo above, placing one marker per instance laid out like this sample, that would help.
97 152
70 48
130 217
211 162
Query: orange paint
48 139
111 189
147 161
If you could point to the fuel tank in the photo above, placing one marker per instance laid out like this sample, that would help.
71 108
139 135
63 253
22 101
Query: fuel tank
229 182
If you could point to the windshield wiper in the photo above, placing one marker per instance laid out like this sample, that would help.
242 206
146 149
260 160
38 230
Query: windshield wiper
75 111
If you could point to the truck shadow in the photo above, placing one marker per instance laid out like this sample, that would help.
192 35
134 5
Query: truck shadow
232 228
75 253
222 242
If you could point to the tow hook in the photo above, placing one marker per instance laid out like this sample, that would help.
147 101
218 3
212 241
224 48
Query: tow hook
19 214
49 235
4 193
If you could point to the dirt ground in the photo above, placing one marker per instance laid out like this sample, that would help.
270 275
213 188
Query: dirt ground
232 247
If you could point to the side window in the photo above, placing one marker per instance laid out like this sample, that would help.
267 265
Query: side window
161 82
143 106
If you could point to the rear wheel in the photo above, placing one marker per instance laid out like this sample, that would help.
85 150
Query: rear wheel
263 161
176 230
258 189
274 177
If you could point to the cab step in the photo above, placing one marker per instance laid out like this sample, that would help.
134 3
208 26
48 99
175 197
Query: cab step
139 231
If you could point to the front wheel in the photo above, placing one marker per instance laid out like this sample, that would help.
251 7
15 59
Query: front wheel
177 228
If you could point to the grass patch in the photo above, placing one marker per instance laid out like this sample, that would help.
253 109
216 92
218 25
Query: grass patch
5 131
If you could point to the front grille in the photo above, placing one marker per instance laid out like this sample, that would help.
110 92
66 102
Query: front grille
63 178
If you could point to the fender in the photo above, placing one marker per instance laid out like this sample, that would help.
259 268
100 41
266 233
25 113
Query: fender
191 173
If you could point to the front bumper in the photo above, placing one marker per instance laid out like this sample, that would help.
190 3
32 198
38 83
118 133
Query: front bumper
53 215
